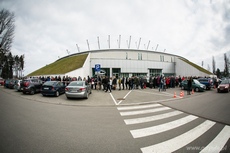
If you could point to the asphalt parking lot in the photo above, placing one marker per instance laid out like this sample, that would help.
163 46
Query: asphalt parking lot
116 97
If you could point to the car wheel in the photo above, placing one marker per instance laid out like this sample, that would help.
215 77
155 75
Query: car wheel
32 91
57 94
87 95
196 89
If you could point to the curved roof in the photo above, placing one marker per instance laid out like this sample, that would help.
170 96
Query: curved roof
76 60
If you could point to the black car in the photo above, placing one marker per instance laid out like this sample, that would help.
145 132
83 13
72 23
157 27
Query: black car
31 86
52 88
207 82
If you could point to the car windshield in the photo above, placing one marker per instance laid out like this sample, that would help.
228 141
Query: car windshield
50 83
196 81
224 82
76 83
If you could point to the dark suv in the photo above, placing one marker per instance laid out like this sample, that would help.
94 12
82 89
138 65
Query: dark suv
207 82
31 86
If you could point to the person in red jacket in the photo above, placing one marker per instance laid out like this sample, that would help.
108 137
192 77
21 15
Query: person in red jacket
167 82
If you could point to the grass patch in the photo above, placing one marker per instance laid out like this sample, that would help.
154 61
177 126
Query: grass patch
61 66
196 66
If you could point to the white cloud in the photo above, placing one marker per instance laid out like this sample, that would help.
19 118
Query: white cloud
196 30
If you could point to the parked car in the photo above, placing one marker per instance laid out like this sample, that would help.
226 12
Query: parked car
196 85
224 86
52 88
17 85
2 82
207 82
9 83
78 89
31 86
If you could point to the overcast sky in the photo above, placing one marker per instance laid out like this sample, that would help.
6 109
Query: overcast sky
194 29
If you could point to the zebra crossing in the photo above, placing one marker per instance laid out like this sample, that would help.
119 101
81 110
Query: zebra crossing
155 120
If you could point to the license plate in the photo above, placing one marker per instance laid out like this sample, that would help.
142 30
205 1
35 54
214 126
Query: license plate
46 88
73 90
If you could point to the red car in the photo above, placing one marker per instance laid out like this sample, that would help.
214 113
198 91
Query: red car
224 86
1 82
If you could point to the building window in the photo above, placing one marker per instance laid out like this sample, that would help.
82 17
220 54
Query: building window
155 72
139 56
161 58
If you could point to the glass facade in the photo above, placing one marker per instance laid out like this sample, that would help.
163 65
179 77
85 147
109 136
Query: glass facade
155 72
139 74
116 72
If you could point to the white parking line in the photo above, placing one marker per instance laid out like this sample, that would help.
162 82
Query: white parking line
217 144
144 111
180 141
125 97
162 127
113 99
152 118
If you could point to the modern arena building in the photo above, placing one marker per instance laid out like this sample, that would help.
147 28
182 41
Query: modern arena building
121 62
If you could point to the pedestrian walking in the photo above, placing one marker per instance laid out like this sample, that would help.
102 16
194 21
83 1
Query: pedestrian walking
109 84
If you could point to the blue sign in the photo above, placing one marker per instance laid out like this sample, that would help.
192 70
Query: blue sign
97 67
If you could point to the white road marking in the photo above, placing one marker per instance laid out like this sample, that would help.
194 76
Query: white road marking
138 107
125 97
149 102
144 111
151 118
113 99
162 127
217 144
179 141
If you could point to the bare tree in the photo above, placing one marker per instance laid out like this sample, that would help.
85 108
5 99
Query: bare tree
16 65
22 62
6 37
6 30
213 65
226 65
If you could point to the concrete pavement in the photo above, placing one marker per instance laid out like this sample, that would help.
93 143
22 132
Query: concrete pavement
116 97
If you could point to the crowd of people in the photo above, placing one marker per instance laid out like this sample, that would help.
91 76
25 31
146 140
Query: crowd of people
106 83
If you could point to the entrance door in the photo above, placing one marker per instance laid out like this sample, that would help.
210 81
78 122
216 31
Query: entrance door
116 72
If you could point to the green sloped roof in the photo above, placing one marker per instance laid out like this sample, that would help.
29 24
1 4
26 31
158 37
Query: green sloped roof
61 66
196 66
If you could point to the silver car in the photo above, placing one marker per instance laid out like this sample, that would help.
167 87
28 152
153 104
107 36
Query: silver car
17 85
78 89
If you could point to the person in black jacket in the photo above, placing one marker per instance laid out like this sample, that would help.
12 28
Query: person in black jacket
189 85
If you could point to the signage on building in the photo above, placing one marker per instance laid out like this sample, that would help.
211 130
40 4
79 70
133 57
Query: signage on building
97 67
